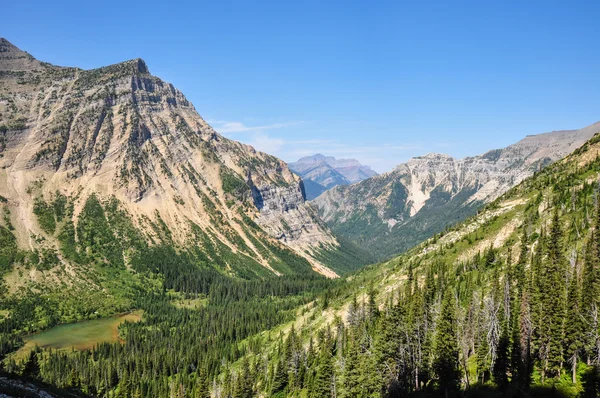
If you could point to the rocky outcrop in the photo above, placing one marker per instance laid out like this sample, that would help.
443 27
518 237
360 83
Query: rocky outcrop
119 131
391 212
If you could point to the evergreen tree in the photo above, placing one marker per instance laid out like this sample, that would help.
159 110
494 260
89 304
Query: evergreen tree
590 295
446 363
352 386
574 334
124 390
323 385
32 365
280 380
202 389
554 304
245 382
502 362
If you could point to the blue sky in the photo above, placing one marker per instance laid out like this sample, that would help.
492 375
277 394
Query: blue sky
377 81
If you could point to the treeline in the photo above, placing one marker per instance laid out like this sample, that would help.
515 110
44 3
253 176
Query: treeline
531 331
174 351
499 324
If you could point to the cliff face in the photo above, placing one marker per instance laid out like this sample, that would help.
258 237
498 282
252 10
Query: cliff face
391 212
119 132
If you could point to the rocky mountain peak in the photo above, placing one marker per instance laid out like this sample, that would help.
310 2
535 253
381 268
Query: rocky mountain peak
118 131
7 47
313 159
137 65
14 59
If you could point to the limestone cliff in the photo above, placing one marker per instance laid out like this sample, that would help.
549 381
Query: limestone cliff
394 211
120 132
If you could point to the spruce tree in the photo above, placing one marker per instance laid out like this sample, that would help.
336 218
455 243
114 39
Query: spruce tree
124 390
352 386
323 385
590 295
502 362
554 307
574 328
446 363
32 366
245 382
202 389
280 380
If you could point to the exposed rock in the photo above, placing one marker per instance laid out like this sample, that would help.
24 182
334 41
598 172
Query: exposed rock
119 131
391 212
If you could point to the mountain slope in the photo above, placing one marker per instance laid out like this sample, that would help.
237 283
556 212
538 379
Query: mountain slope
524 269
118 140
389 213
328 172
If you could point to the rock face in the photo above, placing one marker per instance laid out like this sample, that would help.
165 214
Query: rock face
325 172
120 132
391 212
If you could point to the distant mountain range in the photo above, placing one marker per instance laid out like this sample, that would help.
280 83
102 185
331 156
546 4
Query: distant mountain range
321 173
394 211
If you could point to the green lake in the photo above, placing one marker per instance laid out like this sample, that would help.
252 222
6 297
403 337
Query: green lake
80 335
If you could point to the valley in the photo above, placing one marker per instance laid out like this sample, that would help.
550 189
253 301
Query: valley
238 275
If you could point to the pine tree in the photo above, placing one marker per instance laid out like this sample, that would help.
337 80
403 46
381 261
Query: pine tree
574 334
388 341
554 303
352 386
124 390
280 380
446 363
323 385
245 383
32 366
590 294
501 364
202 389
538 289
524 367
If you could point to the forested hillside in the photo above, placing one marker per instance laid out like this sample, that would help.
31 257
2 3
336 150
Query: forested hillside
504 304
392 212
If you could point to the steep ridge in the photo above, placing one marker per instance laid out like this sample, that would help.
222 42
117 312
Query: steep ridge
124 136
391 212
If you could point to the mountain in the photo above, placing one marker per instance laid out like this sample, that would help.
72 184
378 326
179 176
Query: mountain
325 172
490 307
110 165
392 212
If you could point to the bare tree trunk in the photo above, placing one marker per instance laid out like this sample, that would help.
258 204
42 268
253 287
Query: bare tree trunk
417 378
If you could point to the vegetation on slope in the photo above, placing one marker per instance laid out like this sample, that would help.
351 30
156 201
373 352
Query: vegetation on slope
505 304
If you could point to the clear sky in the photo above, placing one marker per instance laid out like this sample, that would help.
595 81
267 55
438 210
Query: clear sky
374 80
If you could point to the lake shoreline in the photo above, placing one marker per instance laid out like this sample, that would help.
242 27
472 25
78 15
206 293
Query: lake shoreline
81 335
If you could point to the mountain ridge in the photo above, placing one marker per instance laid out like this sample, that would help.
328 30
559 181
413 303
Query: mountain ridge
395 210
118 131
